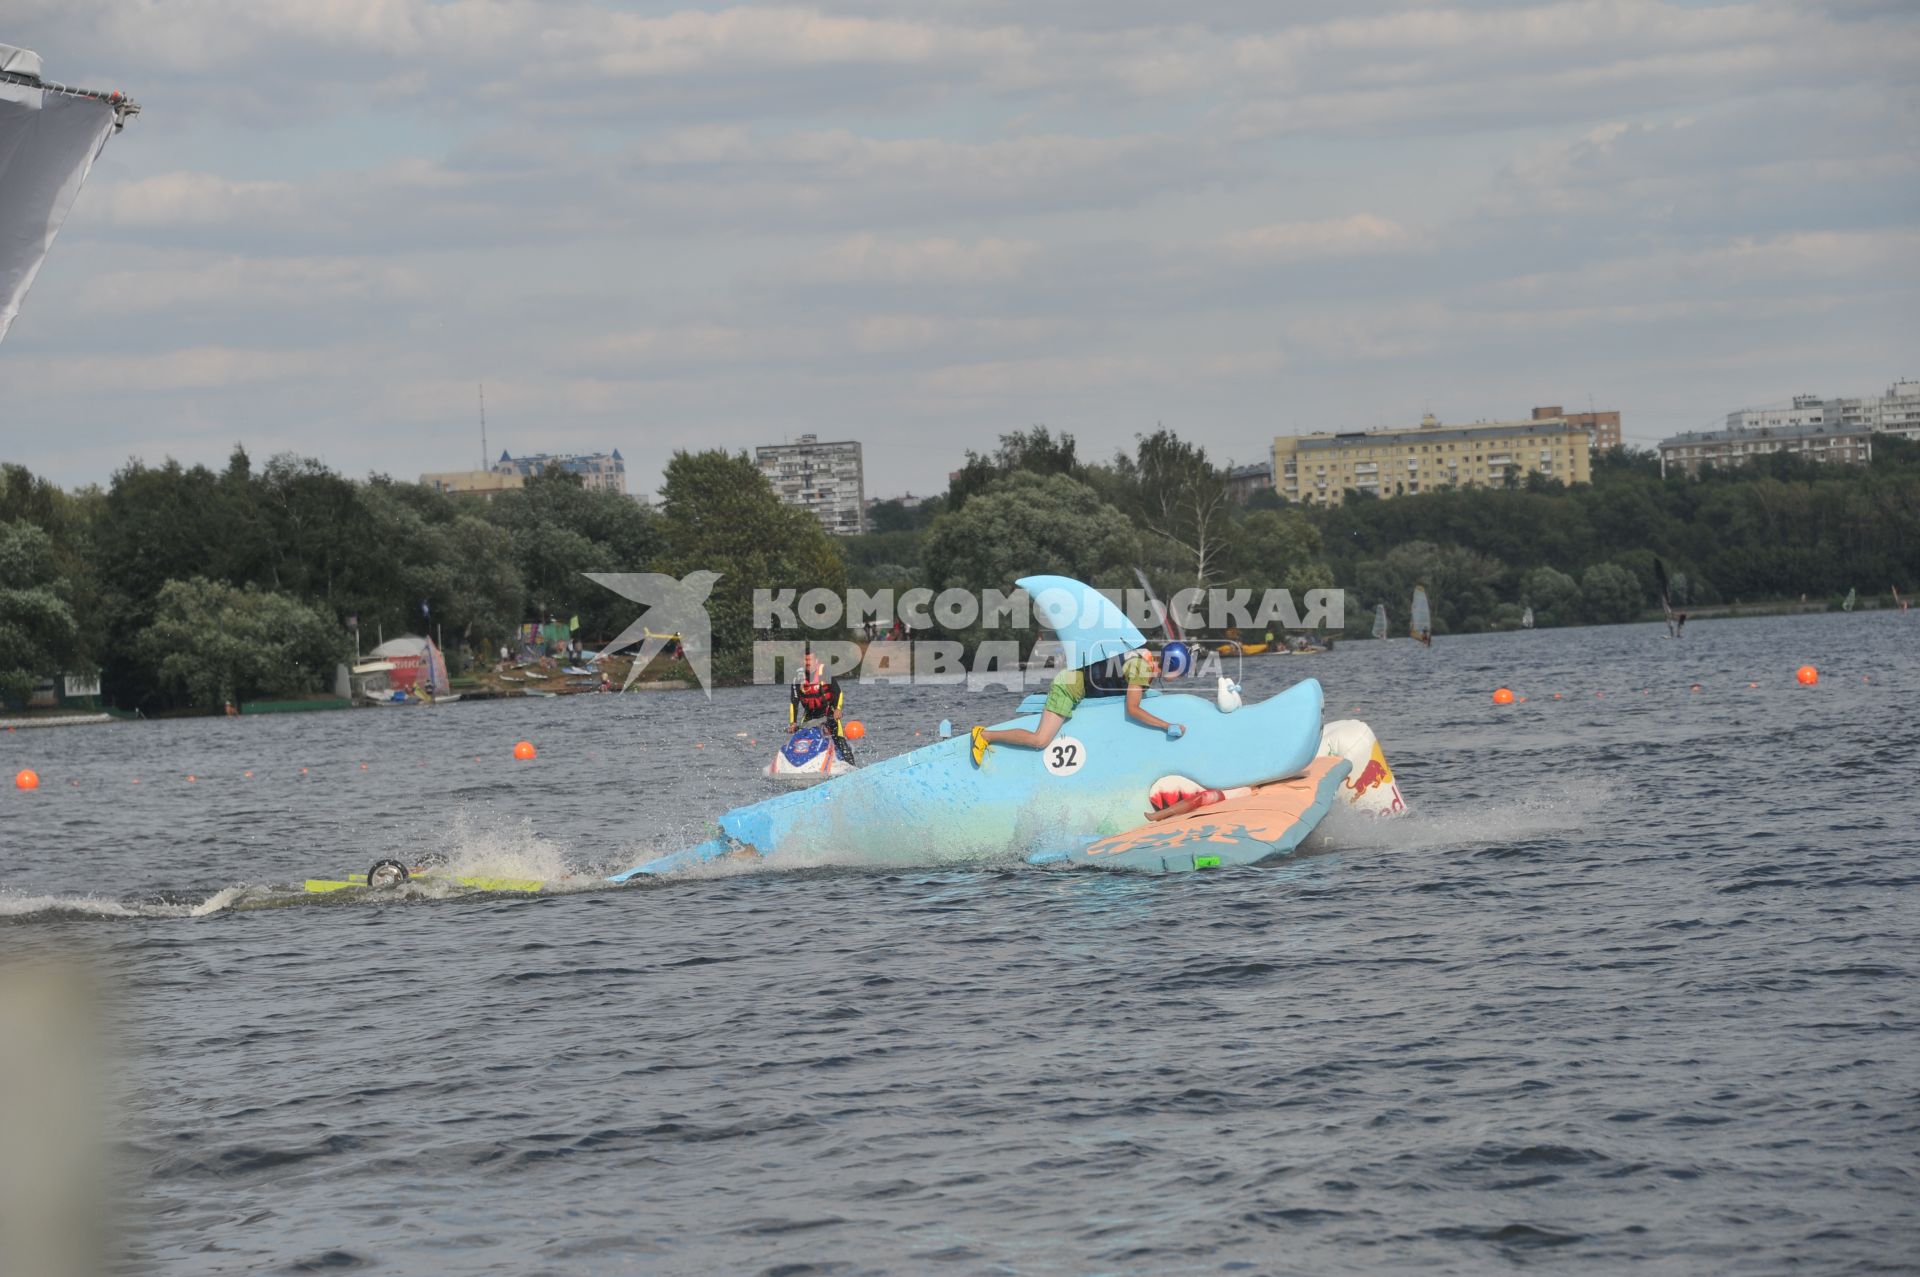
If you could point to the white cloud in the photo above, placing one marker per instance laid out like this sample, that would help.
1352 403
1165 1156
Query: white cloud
193 281
1358 234
866 258
193 199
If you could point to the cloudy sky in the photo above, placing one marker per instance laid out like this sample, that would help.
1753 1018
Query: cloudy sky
658 226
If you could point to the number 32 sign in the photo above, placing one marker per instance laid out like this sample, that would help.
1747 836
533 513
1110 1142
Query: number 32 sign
1064 755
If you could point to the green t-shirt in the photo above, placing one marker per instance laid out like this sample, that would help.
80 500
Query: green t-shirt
1070 686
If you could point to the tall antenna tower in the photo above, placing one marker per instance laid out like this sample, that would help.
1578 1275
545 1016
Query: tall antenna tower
484 454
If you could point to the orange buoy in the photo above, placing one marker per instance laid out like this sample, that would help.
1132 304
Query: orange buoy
1502 696
1753 684
525 750
1807 675
1696 687
191 778
27 779
855 730
248 775
1556 696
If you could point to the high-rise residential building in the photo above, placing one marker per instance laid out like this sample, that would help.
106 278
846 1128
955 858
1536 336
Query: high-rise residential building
1321 468
1895 413
825 479
1603 428
605 471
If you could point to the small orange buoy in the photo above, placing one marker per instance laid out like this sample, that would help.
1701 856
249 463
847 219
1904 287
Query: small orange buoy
191 778
1807 675
1753 684
1696 687
855 730
1556 696
1502 696
525 750
248 775
303 771
363 767
27 779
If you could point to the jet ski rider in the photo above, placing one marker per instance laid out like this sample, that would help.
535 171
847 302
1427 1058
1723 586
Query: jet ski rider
816 695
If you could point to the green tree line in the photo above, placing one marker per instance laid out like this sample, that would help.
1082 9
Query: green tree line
192 586
188 585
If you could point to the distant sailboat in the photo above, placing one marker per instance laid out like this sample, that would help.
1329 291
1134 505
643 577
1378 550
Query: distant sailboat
1421 626
1526 619
1379 620
1852 595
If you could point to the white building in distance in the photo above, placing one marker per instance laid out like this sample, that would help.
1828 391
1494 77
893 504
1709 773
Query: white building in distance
1895 413
1807 410
1834 430
826 479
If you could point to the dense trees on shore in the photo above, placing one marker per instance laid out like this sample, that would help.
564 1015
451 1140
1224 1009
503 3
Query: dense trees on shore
190 586
1775 529
187 585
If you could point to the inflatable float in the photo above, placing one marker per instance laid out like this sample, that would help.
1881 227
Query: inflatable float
1083 799
392 873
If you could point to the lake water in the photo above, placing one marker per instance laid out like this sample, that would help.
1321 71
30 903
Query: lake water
1634 983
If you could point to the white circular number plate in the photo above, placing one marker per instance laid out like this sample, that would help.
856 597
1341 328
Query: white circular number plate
1064 755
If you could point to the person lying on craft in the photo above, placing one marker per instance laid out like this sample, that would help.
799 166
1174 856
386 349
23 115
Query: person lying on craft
815 695
1128 675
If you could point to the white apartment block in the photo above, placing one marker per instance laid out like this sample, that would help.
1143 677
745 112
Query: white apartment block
826 479
1895 413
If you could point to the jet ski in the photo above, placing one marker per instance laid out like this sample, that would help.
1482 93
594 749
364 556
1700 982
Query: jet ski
808 755
1065 803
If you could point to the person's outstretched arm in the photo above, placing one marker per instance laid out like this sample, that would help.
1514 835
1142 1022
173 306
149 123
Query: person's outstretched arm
1138 712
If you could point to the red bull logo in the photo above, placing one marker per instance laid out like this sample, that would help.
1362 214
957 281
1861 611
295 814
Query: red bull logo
1374 773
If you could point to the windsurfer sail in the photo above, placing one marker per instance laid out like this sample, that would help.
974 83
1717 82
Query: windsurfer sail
1666 599
1526 619
1852 597
1897 600
1421 627
1379 620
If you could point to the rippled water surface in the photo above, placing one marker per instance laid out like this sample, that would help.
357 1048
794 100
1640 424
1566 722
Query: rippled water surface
1635 982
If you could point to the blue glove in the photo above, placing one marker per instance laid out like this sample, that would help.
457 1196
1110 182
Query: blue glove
1175 731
